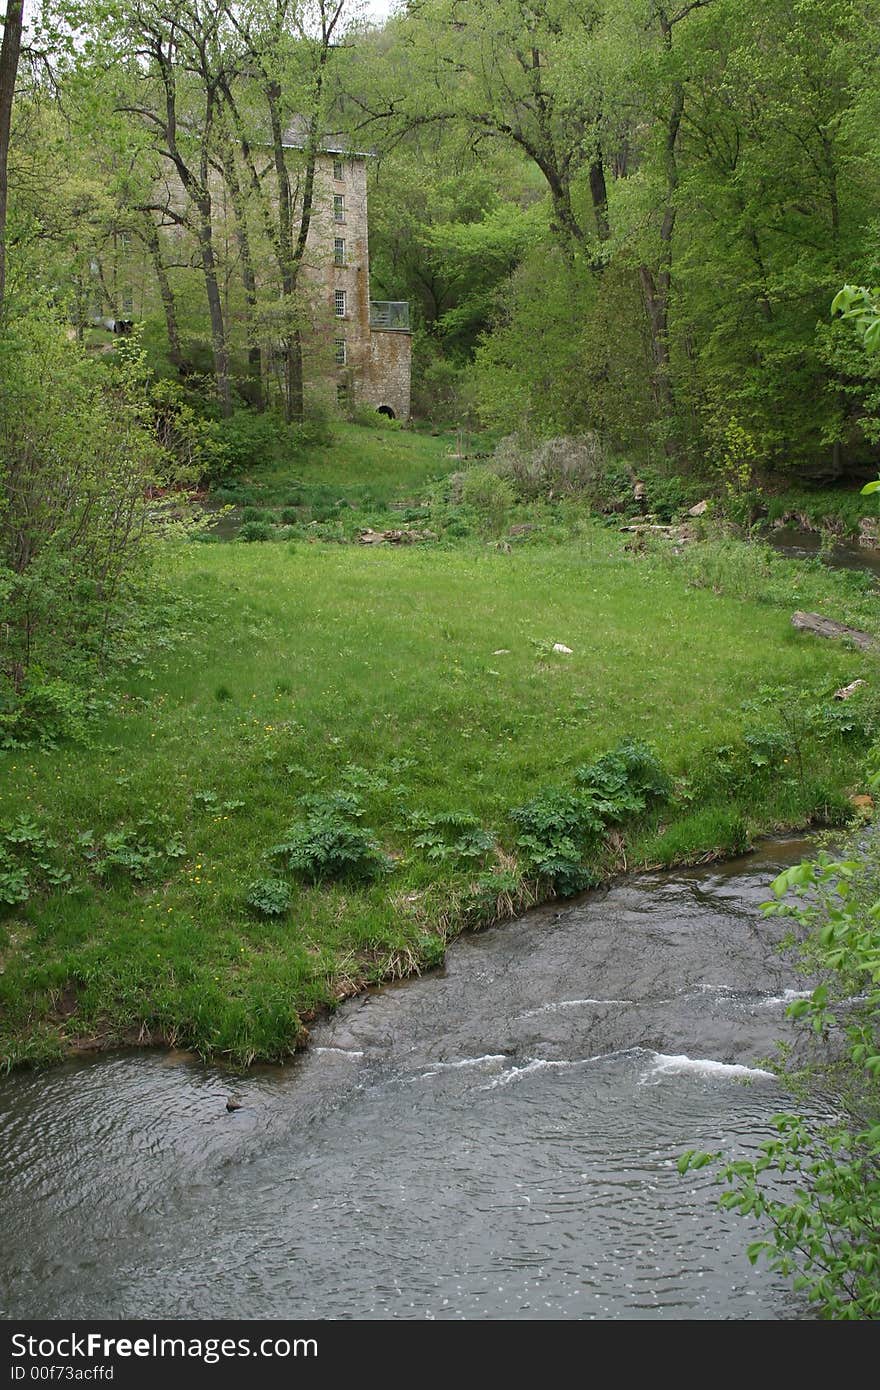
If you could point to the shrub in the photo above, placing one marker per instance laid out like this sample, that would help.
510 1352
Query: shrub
45 712
250 438
559 827
453 835
269 896
255 531
490 496
628 779
557 467
77 460
329 844
556 828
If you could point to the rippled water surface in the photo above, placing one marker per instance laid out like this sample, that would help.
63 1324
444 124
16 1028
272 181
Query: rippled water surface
497 1140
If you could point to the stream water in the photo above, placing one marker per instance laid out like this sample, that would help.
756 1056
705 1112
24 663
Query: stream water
845 554
495 1140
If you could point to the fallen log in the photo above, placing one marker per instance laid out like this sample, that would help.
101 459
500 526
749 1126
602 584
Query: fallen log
846 691
826 627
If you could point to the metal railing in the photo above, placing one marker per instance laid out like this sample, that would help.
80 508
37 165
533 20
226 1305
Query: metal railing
389 313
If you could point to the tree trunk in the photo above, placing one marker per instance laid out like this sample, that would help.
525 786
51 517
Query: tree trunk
656 287
10 50
249 279
827 627
656 298
599 195
215 307
175 351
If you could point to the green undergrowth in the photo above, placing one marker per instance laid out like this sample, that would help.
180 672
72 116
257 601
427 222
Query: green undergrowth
360 467
359 752
823 509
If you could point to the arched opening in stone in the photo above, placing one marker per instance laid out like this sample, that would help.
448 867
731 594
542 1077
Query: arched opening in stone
386 410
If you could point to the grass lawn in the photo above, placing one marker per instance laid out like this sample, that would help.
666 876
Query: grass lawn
421 681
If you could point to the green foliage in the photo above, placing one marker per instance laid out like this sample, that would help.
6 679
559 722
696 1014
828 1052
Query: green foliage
268 896
556 830
27 862
451 836
140 852
194 446
822 1227
490 496
860 308
76 461
255 531
628 779
46 712
559 828
251 440
329 844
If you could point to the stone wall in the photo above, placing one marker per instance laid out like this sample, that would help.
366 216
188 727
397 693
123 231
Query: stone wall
386 383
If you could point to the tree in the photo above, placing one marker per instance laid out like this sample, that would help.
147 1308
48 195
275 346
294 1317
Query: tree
504 75
10 50
287 45
179 99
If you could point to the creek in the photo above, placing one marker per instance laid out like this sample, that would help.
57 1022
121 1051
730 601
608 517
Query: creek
497 1139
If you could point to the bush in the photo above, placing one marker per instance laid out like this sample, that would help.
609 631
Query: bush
559 827
556 829
255 531
555 468
45 712
329 844
628 779
77 461
269 896
490 496
251 439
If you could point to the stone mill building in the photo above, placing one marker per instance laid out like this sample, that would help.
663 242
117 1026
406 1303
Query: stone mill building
371 348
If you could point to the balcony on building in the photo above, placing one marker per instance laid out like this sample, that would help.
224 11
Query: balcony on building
391 314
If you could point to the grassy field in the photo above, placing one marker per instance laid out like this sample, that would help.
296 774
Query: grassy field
368 466
421 682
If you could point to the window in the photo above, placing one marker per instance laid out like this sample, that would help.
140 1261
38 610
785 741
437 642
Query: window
338 207
339 304
341 358
339 250
338 170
